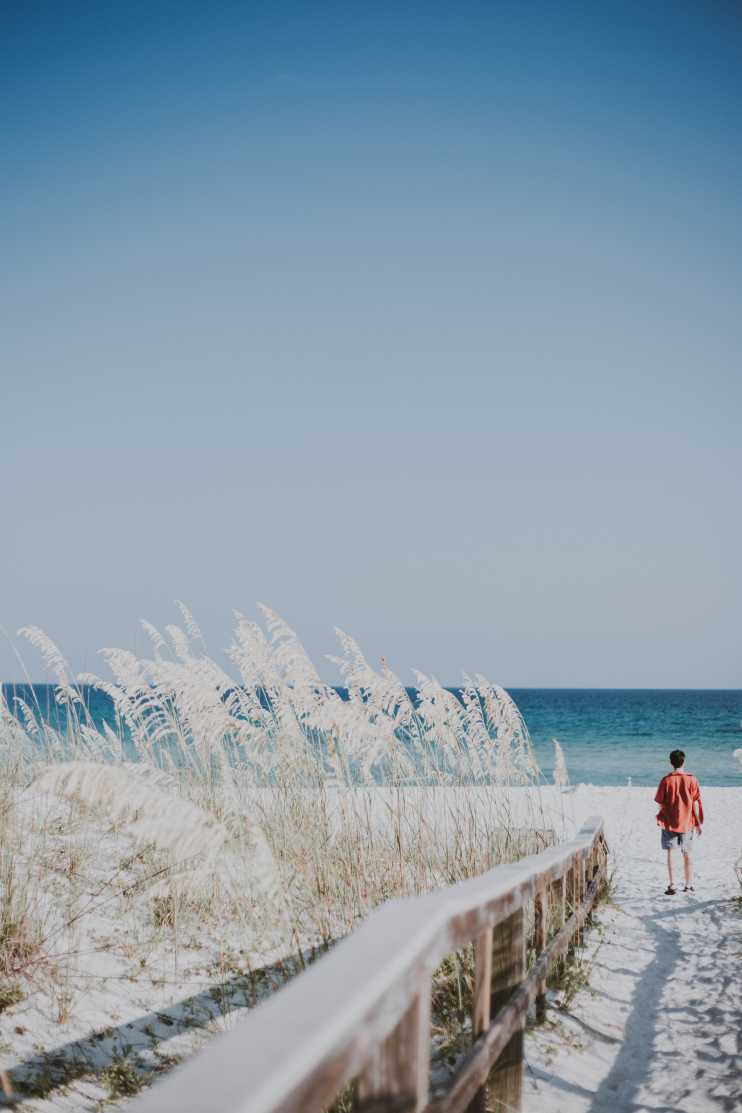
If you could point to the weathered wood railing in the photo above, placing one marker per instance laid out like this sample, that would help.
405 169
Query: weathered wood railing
363 1011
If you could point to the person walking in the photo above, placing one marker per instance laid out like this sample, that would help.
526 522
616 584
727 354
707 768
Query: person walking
680 817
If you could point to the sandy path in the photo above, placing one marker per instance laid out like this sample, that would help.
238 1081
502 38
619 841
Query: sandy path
660 1026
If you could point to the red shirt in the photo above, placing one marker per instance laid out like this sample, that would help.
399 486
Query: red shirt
676 795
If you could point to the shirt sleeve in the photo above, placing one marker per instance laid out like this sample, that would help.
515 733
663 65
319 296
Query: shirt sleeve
697 796
659 796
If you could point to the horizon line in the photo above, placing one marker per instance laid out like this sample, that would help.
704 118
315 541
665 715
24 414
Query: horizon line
508 687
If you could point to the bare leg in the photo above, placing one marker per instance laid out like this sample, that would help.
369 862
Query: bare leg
669 865
688 869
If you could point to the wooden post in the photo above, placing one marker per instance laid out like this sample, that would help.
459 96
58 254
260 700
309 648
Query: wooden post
603 861
583 879
399 1070
579 893
481 1004
594 867
505 1083
541 913
557 903
482 983
571 898
558 907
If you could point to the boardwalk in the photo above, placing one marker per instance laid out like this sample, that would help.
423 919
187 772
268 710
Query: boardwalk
660 1028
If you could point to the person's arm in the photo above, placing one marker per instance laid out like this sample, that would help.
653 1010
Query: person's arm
698 807
659 798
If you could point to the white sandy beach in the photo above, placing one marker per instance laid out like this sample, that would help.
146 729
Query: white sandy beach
660 1026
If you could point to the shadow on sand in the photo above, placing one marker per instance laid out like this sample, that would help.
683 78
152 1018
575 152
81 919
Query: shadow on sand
714 1015
139 1042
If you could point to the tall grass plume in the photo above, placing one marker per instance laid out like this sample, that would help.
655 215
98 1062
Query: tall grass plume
232 818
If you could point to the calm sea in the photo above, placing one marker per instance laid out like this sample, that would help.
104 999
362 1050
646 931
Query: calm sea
611 735
608 736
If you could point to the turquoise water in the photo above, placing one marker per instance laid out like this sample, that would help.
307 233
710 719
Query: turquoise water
607 735
611 735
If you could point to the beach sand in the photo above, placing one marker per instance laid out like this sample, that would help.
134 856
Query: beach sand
656 1028
659 1027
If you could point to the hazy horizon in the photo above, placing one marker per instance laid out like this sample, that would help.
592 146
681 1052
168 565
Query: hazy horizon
419 320
508 687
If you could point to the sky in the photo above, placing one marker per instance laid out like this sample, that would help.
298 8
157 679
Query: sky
418 319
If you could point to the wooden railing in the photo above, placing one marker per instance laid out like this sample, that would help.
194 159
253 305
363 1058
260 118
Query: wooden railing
363 1011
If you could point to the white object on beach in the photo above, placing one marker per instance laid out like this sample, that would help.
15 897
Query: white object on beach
561 776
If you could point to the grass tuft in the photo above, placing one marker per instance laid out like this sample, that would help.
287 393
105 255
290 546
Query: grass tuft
121 1079
10 994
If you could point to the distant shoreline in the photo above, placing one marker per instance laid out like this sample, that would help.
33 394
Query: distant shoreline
457 687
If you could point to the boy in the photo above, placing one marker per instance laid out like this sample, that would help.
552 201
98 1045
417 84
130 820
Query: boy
680 817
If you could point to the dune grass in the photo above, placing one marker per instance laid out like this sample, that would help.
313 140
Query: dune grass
228 826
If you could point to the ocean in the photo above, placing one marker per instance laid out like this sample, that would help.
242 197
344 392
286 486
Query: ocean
609 736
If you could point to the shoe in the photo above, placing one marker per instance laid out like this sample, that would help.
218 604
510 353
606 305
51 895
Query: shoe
689 889
670 891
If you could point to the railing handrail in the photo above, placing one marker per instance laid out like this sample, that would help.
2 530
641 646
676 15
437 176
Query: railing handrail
300 1046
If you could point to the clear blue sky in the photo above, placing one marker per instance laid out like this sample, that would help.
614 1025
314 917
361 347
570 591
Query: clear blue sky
419 319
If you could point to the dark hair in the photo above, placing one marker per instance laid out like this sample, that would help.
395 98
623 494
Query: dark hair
677 758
